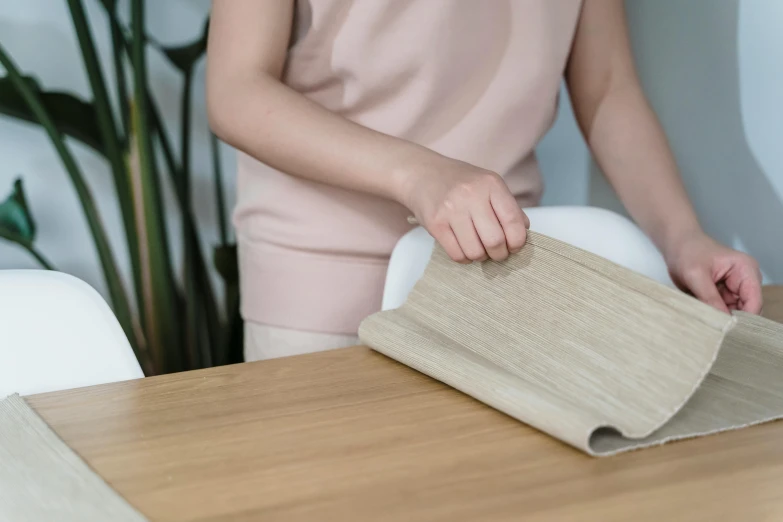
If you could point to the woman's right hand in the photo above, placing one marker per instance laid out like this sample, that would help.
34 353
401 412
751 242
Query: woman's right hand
468 210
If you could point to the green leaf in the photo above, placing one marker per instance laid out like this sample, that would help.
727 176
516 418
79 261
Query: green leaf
17 224
70 115
15 219
109 5
184 57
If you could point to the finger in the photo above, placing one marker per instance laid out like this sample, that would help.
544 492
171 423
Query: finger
750 300
750 297
445 236
702 286
729 297
511 218
745 282
468 238
490 232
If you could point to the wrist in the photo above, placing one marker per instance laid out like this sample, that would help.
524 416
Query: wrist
412 164
674 240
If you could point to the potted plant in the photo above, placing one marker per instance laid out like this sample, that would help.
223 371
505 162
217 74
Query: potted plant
173 320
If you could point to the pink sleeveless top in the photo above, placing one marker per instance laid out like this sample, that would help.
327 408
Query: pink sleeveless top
473 80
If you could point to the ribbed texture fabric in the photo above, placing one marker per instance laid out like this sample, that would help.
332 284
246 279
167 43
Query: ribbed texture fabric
587 351
42 479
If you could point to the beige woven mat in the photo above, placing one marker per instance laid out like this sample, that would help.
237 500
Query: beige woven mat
42 479
589 352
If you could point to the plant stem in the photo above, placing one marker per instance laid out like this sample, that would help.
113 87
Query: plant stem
184 161
190 244
165 141
118 48
201 281
45 263
206 292
217 172
160 285
30 250
117 293
111 140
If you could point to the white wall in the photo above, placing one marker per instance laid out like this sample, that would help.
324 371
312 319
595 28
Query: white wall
712 69
39 36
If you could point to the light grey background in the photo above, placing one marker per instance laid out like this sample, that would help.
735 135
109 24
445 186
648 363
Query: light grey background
713 70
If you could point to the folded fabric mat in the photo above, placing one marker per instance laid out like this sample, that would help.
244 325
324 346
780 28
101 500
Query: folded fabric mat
587 351
42 479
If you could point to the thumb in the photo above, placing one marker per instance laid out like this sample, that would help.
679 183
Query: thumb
703 287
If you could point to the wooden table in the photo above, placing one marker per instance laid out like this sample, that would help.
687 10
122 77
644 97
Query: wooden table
351 435
773 303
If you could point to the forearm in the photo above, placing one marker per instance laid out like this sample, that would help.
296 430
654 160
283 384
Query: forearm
623 133
271 122
629 145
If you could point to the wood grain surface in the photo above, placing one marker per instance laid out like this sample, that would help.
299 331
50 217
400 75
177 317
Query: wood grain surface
351 435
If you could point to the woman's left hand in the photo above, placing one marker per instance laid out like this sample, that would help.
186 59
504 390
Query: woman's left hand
717 275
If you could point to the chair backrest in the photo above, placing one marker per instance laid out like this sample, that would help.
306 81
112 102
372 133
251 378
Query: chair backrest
57 332
596 230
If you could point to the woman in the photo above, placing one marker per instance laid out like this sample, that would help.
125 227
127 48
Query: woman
350 115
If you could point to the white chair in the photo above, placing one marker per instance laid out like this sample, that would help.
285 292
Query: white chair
57 332
596 230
